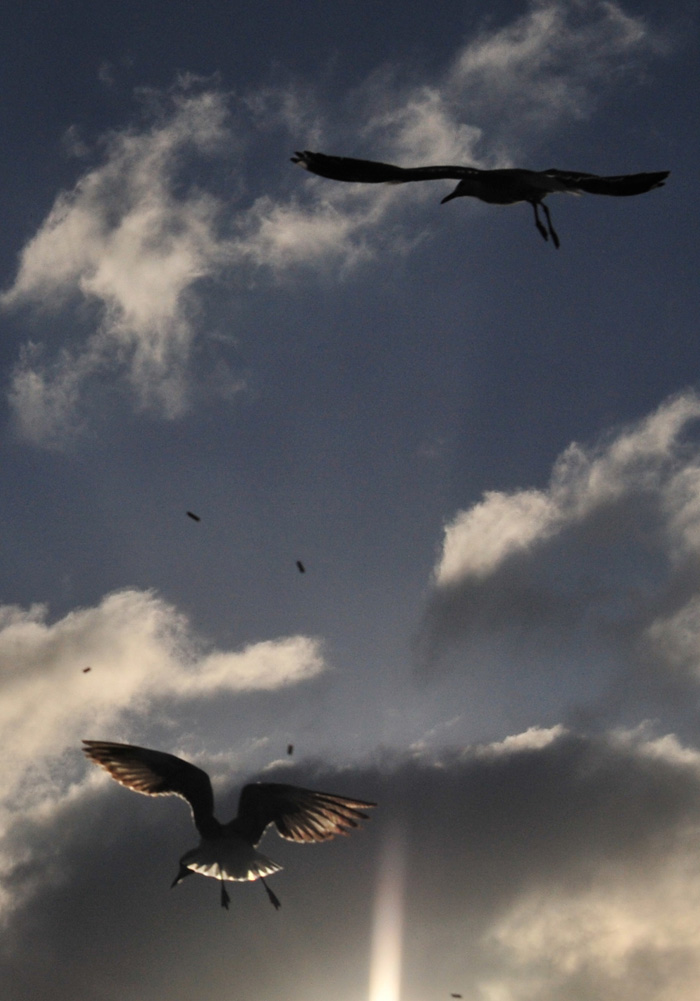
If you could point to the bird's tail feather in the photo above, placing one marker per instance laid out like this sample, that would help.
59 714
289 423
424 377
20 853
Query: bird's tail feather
232 860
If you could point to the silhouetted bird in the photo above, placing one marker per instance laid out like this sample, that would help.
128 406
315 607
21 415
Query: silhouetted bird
227 851
194 517
290 748
300 567
498 187
86 669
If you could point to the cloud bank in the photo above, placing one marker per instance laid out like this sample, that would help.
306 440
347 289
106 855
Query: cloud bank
563 865
605 559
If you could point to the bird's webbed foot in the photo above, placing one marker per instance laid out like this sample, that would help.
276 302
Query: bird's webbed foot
271 896
538 222
552 231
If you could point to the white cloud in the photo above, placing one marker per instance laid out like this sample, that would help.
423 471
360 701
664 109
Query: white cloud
534 738
596 574
424 124
479 539
279 236
141 653
645 460
605 935
45 398
568 868
549 64
130 241
675 638
122 235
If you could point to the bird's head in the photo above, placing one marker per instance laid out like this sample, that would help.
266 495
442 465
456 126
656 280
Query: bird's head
459 190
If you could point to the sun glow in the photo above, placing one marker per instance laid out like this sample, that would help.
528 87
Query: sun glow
385 967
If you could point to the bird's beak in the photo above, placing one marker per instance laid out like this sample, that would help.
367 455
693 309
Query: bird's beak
448 198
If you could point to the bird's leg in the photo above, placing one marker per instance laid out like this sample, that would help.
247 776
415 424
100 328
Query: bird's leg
552 231
225 899
538 221
273 899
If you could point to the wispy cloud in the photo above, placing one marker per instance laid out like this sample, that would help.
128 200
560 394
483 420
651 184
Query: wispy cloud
551 64
132 239
515 83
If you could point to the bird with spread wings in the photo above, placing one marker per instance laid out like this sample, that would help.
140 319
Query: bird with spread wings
497 187
228 851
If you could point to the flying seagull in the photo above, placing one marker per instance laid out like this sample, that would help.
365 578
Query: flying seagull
228 851
498 187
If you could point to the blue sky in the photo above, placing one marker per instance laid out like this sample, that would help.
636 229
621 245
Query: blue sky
485 451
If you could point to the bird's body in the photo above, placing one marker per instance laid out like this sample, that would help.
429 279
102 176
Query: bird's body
229 851
497 187
227 856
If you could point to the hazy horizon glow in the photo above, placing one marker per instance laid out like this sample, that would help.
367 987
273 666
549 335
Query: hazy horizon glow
388 922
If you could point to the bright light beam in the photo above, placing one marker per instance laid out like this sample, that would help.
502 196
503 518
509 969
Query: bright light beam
387 937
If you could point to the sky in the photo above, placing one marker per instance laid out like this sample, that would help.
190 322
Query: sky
484 451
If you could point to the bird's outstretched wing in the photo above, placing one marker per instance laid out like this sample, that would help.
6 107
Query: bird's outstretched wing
620 184
155 773
298 814
346 168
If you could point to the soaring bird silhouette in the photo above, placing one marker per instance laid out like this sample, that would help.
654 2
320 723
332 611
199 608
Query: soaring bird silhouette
498 187
228 851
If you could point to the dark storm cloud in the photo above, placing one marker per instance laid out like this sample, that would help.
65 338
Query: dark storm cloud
497 836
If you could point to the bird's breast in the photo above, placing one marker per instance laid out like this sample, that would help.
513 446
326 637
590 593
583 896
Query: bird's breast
507 186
